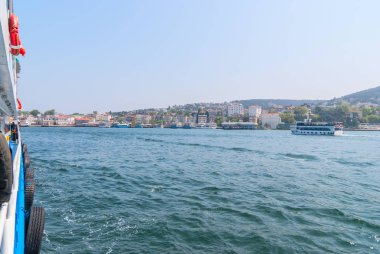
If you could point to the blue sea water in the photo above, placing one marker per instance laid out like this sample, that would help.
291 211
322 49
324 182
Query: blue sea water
206 191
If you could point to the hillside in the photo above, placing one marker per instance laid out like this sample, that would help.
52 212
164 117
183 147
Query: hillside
366 96
267 103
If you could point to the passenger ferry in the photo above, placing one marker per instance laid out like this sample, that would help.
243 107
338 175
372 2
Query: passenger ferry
21 223
307 127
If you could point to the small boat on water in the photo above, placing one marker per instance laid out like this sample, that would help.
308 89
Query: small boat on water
25 124
104 125
206 126
176 125
120 125
188 125
21 223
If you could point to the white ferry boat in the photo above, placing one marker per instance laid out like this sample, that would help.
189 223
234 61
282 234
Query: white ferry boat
104 125
307 127
21 223
206 126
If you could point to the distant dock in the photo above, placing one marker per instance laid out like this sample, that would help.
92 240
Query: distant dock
239 126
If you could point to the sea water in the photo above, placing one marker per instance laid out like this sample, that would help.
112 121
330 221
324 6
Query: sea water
206 191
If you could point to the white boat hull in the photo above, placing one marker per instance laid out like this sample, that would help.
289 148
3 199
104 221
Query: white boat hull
317 133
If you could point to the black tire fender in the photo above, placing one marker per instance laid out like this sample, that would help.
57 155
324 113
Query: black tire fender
29 173
24 148
30 186
35 230
26 160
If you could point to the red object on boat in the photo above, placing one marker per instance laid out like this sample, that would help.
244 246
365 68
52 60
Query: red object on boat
22 51
16 47
19 106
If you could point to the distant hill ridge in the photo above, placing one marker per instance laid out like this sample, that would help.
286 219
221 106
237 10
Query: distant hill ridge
267 103
371 95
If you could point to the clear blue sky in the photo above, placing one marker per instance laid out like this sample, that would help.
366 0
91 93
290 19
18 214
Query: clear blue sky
123 55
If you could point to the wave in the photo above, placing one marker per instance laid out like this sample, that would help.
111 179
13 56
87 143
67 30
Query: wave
215 190
236 149
336 214
354 163
307 157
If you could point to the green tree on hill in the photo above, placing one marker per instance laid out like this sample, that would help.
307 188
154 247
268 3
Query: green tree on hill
339 113
23 112
372 119
34 112
50 112
219 120
300 113
287 117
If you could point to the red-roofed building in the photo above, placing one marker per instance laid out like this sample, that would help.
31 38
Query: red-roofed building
82 121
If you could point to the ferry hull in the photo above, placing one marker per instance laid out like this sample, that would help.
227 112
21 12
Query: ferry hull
317 133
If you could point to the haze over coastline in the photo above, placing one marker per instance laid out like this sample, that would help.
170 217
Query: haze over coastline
124 55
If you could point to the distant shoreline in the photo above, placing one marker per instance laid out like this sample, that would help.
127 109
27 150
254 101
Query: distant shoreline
56 126
74 126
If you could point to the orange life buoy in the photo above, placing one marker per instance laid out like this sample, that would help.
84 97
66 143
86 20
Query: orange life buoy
19 105
16 47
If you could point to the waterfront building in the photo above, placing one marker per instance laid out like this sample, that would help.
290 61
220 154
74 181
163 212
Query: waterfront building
103 117
202 117
167 118
49 120
129 118
192 119
181 118
64 120
271 120
138 119
235 109
212 118
28 120
147 119
82 121
254 110
143 119
254 113
369 126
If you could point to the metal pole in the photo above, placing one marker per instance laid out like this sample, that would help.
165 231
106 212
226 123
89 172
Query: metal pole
10 6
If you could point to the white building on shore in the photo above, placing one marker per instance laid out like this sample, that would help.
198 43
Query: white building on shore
254 113
271 120
235 109
103 117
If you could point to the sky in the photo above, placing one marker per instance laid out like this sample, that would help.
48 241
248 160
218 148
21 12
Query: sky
115 55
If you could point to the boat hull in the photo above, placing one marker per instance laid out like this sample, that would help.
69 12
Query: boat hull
317 133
